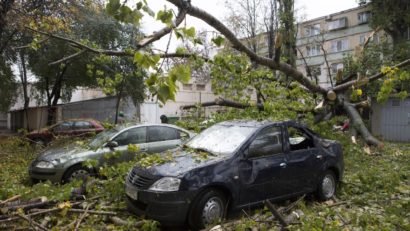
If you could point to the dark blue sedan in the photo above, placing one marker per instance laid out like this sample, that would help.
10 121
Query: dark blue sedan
232 165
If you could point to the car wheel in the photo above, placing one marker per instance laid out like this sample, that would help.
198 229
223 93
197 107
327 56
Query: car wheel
327 186
76 172
209 208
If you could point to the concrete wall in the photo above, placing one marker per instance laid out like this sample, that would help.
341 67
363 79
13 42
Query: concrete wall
102 109
3 121
37 118
391 120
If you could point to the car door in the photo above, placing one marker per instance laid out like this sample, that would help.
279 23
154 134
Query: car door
161 138
62 129
136 136
304 161
261 169
82 128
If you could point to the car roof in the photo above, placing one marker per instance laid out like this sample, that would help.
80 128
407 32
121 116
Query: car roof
254 123
127 126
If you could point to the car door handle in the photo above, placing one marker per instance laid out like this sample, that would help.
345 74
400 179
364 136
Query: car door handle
319 156
283 165
144 149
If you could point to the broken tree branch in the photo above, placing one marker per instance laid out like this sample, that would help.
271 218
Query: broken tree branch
345 86
13 198
159 34
119 53
271 207
93 212
31 222
223 102
67 58
77 226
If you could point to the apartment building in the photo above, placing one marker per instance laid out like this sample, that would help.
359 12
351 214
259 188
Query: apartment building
335 36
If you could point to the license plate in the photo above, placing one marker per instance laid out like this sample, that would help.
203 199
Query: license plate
131 192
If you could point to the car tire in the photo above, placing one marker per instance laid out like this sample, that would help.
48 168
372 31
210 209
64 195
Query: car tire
76 172
208 208
326 188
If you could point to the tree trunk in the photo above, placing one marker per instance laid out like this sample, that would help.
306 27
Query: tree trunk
55 96
357 123
23 78
119 96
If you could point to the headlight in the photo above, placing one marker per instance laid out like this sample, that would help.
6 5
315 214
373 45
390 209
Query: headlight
166 184
44 164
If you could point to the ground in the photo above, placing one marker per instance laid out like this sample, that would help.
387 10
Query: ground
374 195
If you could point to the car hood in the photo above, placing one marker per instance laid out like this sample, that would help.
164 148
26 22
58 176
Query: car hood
64 152
182 162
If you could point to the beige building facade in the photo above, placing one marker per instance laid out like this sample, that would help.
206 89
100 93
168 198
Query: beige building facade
334 36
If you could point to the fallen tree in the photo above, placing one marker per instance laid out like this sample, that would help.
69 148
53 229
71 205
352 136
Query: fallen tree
163 85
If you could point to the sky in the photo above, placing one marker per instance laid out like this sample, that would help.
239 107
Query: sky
306 9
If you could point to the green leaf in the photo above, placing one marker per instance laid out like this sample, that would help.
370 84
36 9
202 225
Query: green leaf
148 11
152 80
218 40
180 50
164 93
113 6
138 56
165 16
190 32
181 73
139 5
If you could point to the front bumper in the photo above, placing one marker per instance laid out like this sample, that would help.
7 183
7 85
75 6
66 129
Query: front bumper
169 208
54 175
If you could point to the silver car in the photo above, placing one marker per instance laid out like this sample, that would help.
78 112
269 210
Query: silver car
66 163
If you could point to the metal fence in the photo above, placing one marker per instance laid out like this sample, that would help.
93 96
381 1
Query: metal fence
391 120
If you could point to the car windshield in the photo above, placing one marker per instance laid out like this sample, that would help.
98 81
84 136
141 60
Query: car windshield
221 139
101 138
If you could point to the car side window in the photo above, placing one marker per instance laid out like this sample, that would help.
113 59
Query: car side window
64 126
267 142
132 136
299 139
82 125
160 133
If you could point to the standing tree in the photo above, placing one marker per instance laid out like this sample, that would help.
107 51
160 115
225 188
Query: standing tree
58 79
393 17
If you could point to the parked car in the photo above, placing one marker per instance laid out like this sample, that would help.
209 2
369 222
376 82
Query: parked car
73 127
66 163
233 165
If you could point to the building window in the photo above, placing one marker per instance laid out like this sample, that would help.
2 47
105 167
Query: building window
315 70
362 39
335 67
313 50
200 87
339 45
312 30
363 17
187 87
337 24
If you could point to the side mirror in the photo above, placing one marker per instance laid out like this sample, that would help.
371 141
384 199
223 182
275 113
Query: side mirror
112 144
